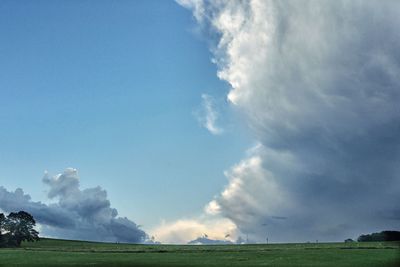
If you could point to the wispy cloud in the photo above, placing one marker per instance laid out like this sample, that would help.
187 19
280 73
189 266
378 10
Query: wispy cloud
208 115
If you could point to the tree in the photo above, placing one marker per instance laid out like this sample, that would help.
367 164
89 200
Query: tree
2 221
3 240
379 237
20 227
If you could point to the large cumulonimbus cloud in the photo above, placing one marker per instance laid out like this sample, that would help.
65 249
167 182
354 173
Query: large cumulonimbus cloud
78 214
319 84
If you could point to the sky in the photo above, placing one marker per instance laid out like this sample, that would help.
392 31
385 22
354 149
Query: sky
113 90
201 120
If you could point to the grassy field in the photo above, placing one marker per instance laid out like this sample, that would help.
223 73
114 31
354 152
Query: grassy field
49 252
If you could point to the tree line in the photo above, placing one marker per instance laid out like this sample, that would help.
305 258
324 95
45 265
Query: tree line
379 237
16 228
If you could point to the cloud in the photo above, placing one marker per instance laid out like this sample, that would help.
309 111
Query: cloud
196 5
206 241
78 214
208 115
47 214
319 85
186 230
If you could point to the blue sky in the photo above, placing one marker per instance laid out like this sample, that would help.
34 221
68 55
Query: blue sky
112 89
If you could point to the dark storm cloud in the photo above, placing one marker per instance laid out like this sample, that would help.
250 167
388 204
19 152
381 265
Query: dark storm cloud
77 214
319 84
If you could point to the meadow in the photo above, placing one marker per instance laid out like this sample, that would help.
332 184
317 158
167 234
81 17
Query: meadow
52 252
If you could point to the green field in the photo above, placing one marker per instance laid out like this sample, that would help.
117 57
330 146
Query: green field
49 252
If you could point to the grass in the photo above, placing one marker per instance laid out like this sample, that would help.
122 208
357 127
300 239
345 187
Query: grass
52 252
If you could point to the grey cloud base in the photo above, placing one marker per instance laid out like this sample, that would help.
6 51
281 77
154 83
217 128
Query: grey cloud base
77 214
318 83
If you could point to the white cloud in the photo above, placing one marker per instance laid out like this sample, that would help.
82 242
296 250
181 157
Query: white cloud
185 230
196 5
212 208
208 116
